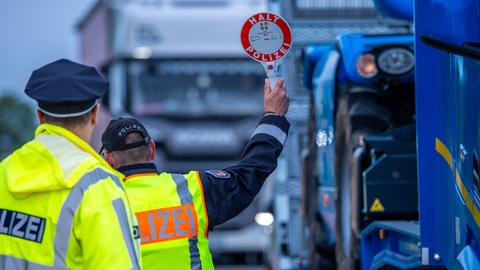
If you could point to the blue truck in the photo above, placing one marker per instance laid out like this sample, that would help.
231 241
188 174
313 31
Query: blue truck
390 178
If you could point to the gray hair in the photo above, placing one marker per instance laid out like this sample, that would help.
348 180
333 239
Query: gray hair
135 155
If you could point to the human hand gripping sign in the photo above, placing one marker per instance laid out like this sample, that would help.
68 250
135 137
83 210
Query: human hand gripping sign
276 99
267 38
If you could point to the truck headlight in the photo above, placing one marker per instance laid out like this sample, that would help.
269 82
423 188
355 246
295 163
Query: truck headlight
396 61
366 65
264 218
142 53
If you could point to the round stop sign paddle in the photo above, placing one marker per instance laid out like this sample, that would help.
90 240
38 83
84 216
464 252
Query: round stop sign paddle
267 38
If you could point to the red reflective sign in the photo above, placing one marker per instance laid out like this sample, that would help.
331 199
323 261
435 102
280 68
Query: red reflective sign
266 37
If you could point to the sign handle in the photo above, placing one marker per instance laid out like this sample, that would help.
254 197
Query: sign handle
272 72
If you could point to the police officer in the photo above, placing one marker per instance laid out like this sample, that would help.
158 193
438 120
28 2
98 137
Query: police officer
174 211
61 205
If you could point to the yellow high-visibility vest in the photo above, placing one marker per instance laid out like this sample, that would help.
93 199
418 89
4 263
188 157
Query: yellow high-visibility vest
173 220
63 207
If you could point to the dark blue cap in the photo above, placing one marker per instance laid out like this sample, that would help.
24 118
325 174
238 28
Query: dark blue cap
113 138
65 88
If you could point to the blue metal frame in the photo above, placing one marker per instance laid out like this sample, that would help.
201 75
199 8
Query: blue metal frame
321 62
391 242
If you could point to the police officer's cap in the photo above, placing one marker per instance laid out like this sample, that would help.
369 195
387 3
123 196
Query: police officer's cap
113 139
65 88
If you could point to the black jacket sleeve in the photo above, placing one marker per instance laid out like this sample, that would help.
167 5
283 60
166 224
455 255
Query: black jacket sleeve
227 192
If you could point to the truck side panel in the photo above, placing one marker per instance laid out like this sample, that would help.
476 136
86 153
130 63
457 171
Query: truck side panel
448 134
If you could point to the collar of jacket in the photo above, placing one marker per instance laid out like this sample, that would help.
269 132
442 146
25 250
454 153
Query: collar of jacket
49 129
138 170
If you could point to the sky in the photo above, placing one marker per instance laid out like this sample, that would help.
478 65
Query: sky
34 33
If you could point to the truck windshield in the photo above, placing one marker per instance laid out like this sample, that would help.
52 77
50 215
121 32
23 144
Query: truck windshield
183 87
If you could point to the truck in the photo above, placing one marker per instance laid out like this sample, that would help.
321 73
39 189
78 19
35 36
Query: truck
362 133
304 236
447 233
178 67
390 171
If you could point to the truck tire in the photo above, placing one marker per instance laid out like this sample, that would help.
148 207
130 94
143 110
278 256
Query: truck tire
357 115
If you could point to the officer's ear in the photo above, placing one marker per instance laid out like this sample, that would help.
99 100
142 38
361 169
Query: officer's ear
94 114
110 158
152 150
40 117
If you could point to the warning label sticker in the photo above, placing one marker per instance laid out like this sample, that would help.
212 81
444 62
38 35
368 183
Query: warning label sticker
377 206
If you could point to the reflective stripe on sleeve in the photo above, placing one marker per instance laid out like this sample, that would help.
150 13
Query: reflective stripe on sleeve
65 223
186 198
127 237
67 213
69 208
271 130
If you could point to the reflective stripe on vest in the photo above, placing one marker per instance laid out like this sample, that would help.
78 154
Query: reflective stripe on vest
9 262
172 220
65 223
187 199
123 221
